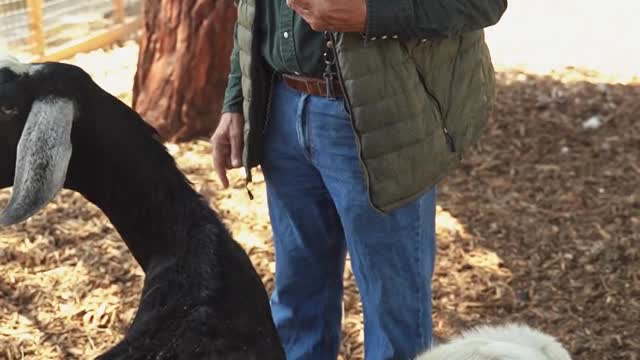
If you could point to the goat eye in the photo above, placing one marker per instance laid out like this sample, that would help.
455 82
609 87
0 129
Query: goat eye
8 110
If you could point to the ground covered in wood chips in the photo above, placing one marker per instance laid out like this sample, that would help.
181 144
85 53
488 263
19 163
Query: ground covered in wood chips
540 224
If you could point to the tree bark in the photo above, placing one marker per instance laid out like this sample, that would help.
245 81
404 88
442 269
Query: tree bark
183 65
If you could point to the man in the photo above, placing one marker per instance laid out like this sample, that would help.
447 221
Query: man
355 110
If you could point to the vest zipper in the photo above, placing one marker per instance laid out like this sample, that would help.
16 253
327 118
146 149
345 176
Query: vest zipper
452 145
269 99
349 109
264 129
445 131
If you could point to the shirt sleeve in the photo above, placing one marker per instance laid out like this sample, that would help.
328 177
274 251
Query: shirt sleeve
233 94
433 19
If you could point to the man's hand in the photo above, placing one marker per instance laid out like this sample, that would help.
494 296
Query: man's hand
332 15
228 142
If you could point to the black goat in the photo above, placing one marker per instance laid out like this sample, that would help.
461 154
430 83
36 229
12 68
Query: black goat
202 298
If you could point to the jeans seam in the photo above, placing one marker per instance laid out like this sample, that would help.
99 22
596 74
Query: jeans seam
418 275
302 125
309 149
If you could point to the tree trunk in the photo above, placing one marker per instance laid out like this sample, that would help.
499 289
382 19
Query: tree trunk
183 65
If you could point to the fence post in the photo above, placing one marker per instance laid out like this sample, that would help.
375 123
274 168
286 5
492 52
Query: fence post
118 11
36 26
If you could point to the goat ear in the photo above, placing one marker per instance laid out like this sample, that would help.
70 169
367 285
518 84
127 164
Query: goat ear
42 159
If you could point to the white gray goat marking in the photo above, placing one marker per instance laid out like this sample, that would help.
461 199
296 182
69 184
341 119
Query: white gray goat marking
43 157
9 62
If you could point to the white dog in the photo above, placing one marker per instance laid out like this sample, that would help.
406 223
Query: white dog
506 342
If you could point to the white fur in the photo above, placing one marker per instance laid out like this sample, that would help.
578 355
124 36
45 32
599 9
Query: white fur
506 342
10 62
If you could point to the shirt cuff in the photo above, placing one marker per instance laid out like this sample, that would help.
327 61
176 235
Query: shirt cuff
233 97
235 107
388 19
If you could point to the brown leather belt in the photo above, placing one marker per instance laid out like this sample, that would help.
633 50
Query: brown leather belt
310 85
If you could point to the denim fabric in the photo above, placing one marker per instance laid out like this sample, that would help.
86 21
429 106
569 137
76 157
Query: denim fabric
319 210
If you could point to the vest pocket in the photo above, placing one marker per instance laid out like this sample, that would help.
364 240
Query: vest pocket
409 47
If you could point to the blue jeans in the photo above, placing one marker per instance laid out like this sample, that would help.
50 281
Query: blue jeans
319 209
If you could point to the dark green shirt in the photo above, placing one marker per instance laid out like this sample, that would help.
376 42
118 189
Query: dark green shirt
289 46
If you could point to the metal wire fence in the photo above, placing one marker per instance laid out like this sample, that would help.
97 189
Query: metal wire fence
46 29
14 24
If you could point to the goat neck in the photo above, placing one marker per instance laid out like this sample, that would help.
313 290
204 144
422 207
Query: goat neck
136 183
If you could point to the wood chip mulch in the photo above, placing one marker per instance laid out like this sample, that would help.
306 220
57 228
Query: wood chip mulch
541 224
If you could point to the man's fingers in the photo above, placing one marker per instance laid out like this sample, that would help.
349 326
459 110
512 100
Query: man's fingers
298 4
237 142
220 152
310 16
222 175
315 25
227 145
301 7
220 164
